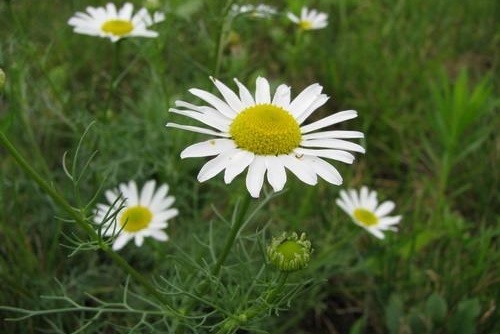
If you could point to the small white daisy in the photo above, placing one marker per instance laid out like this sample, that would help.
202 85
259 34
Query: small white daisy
366 212
115 24
259 11
266 134
144 214
309 19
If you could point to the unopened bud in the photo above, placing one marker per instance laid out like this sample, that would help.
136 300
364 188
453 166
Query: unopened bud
288 252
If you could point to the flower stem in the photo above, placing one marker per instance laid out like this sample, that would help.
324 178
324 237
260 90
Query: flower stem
233 234
219 47
79 218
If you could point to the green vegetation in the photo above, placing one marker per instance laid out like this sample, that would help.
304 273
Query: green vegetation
88 114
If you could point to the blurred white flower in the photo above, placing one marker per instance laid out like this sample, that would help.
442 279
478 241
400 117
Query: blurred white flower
260 11
144 214
309 19
365 211
109 22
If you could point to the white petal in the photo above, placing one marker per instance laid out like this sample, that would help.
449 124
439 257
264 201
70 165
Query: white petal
338 155
198 129
208 148
292 17
333 134
325 170
221 124
330 120
139 239
302 170
393 220
343 206
320 101
237 164
125 12
159 196
282 97
121 241
163 204
304 99
262 91
377 233
333 143
363 196
245 95
354 198
130 193
276 174
385 208
217 103
255 176
231 98
111 196
215 166
159 235
147 193
166 215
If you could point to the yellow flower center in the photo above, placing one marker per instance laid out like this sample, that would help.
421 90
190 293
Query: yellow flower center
305 25
266 129
136 218
117 27
365 217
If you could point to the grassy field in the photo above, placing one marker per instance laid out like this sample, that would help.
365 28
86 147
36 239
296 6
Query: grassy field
87 114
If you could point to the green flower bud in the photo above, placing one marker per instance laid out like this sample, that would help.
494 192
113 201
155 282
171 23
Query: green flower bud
288 252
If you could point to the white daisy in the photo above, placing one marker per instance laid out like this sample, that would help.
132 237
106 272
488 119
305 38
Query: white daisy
266 134
260 11
115 24
366 212
144 214
309 19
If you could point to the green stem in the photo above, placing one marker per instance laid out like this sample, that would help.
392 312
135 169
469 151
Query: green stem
233 234
232 324
80 220
219 46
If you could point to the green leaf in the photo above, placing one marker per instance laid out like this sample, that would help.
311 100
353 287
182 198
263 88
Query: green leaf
463 320
394 312
436 308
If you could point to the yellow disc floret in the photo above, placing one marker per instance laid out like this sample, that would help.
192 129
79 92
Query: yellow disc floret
135 218
305 25
266 129
365 217
117 27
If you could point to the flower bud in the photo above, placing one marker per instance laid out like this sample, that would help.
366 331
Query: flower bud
288 252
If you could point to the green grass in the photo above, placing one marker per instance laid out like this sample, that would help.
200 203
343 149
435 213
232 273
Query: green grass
423 76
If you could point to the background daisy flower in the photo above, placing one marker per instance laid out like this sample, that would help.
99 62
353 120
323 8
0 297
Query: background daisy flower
364 210
115 24
265 134
260 11
144 214
309 19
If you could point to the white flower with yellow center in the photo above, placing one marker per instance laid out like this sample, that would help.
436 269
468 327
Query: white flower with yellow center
309 19
143 214
365 211
266 134
115 24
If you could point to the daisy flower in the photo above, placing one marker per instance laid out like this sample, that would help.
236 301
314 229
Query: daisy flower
309 19
260 11
143 214
366 212
266 134
113 23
